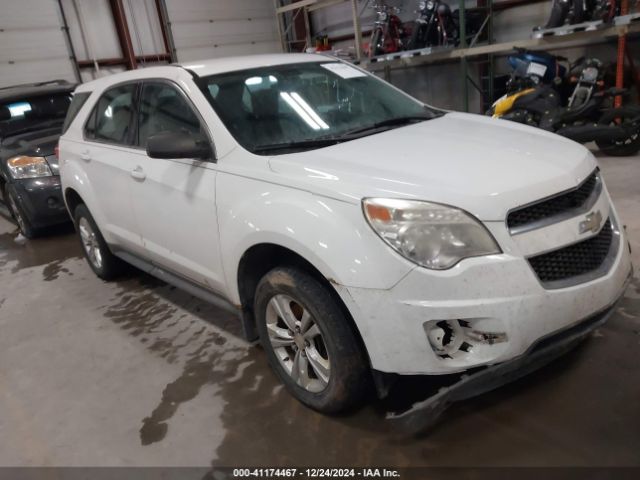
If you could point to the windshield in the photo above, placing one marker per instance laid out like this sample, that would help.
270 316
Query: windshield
29 114
304 106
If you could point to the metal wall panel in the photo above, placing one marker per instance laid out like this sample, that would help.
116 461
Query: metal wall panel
32 43
144 25
218 28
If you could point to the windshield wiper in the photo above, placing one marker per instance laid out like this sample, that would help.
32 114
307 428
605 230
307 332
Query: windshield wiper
391 122
343 137
303 144
45 125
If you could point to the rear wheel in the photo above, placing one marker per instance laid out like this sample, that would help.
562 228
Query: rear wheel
19 215
310 344
103 263
624 116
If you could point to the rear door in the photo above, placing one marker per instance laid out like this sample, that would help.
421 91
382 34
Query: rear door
174 199
107 156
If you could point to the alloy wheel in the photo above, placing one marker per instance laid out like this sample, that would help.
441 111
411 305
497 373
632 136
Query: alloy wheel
298 343
90 243
16 213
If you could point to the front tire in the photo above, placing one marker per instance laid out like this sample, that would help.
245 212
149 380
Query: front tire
416 40
375 47
103 263
26 228
310 344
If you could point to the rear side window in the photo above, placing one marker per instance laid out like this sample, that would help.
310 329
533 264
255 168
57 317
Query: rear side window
77 102
112 118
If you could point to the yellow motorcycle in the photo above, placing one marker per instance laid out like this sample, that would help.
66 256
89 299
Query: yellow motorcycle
587 117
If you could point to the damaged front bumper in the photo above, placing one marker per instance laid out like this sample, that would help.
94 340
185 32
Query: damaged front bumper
425 413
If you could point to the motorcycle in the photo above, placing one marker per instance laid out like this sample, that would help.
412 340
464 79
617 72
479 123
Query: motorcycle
587 116
532 68
388 32
438 26
578 11
434 26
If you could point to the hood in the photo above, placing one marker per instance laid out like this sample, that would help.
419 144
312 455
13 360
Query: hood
482 165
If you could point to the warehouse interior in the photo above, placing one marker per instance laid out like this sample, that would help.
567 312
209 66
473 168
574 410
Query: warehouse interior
143 371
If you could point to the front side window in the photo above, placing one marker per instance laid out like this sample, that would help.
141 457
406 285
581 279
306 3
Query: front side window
301 106
164 109
111 119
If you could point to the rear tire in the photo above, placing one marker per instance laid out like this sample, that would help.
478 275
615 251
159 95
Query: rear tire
24 224
103 263
310 344
623 148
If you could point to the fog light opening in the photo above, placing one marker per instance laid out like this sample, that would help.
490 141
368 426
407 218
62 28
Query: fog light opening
446 338
455 338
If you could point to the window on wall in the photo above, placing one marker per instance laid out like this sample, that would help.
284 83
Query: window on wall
164 109
112 117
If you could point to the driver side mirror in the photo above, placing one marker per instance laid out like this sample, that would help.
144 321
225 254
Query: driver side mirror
167 145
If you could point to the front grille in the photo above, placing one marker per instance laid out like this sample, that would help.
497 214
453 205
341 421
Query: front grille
556 205
575 260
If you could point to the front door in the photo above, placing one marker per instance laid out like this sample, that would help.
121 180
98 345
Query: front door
174 199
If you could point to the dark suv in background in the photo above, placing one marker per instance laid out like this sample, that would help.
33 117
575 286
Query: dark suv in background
31 120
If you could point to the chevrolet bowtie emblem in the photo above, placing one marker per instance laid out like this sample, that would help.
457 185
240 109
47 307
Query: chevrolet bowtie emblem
591 223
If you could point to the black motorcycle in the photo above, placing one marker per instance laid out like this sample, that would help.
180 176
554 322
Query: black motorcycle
578 11
434 26
438 26
587 116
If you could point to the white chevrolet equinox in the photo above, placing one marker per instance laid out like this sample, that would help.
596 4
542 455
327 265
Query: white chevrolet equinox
359 233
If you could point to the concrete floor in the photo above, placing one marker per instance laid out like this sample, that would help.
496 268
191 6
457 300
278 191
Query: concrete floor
138 373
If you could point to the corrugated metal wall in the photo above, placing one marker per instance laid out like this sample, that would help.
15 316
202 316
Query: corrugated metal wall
32 43
218 28
33 46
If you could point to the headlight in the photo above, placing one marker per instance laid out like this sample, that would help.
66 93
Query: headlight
431 235
422 5
29 167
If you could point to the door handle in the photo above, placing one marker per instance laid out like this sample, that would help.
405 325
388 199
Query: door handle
86 156
138 173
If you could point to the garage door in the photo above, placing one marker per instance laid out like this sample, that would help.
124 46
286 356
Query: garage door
32 43
220 28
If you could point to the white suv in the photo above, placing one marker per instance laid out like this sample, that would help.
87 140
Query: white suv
357 231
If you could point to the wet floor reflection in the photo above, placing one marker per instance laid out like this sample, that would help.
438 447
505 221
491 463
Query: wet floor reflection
558 415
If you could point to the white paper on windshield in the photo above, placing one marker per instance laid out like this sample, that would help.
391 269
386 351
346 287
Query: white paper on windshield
537 69
343 70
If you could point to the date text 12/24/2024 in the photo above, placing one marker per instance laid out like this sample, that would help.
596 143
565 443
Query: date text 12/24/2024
315 473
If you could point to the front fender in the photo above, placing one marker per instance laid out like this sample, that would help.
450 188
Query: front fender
330 234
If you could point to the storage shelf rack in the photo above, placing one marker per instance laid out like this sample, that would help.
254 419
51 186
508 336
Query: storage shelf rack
621 28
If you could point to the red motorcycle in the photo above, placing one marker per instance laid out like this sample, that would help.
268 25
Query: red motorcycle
388 32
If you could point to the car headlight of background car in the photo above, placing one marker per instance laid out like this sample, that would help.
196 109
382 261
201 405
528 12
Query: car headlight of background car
432 235
28 167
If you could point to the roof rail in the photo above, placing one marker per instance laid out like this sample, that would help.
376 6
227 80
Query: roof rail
38 84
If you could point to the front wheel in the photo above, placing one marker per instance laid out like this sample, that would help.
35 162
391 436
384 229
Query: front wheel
417 38
375 45
310 344
26 228
624 116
